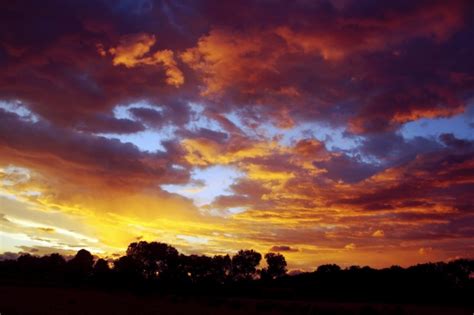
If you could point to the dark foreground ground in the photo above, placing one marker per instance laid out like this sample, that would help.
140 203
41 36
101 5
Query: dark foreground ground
27 300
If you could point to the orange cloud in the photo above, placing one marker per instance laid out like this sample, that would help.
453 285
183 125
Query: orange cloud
131 50
174 75
378 233
424 251
224 58
350 35
203 152
134 50
259 66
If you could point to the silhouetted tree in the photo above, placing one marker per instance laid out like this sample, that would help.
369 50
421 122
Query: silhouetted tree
206 270
329 268
221 268
155 259
102 273
198 268
30 267
158 266
80 266
127 270
101 266
276 266
354 268
459 271
244 264
27 263
54 262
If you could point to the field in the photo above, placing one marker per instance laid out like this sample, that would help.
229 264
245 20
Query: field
60 301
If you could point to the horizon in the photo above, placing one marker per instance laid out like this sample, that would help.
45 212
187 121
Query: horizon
263 264
333 131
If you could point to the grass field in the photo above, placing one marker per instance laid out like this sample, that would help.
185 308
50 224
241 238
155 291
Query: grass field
59 301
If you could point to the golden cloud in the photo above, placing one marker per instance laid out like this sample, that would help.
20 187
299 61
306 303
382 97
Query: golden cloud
134 50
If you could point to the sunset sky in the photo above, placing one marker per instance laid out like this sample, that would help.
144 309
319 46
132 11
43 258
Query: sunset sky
330 131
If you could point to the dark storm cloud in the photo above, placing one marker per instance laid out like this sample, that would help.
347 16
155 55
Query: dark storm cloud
370 65
52 63
391 148
347 169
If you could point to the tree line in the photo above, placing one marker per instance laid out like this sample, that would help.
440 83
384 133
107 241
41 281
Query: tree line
147 262
157 266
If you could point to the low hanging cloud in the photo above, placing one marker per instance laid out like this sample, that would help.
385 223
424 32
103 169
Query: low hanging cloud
283 248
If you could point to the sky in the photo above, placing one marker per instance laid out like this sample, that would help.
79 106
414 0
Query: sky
331 131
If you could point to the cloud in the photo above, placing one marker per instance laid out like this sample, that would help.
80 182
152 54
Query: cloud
391 148
378 233
174 75
151 117
256 65
9 256
350 246
102 122
39 142
425 251
283 248
226 58
347 169
132 50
